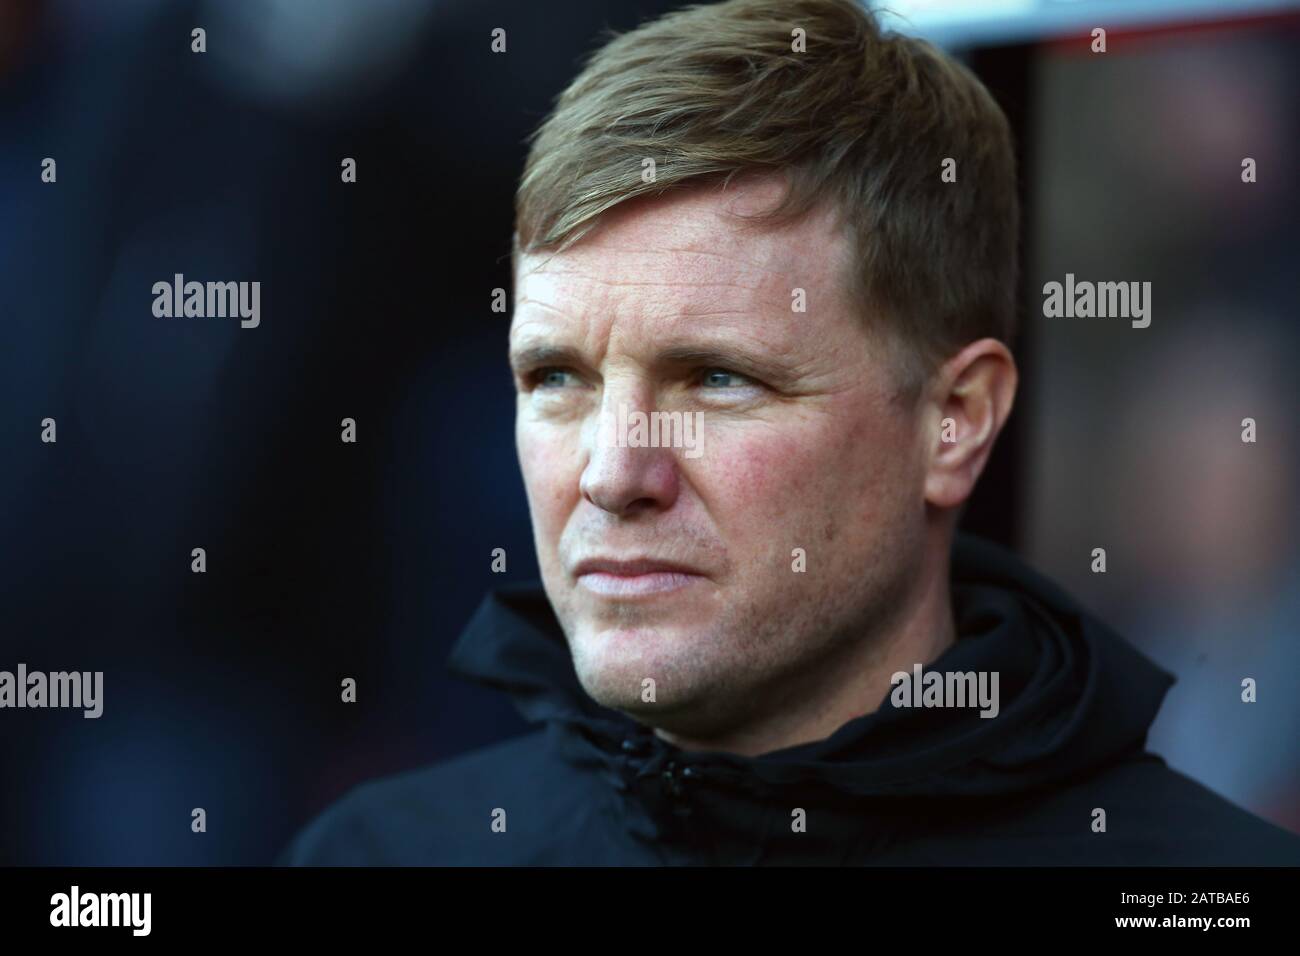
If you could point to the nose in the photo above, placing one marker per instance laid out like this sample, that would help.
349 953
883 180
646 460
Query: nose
623 477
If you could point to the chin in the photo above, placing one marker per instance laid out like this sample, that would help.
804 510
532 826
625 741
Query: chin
613 661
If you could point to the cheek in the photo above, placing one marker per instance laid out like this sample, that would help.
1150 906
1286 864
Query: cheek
550 461
837 477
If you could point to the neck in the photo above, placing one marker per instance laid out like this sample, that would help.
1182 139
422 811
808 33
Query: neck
852 683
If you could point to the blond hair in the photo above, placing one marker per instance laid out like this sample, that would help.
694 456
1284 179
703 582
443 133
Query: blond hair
863 119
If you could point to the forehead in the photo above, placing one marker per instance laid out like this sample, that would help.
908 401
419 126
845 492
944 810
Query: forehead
688 255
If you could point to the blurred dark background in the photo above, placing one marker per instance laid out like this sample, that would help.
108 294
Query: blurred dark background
329 560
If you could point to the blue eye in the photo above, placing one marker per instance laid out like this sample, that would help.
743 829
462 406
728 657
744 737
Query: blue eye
551 377
721 378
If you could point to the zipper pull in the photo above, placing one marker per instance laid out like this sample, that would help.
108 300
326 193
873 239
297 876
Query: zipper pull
671 782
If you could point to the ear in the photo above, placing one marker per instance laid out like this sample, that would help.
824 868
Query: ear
969 400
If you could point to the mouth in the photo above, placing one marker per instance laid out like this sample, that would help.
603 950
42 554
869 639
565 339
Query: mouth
639 577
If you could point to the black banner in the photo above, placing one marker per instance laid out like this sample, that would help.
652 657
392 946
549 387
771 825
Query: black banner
207 905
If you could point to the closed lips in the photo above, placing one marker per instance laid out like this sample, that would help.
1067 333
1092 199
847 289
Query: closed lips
630 568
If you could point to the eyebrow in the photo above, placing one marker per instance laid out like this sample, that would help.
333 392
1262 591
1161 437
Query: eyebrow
539 355
696 355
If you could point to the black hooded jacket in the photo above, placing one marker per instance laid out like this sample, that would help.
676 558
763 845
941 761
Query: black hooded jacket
900 786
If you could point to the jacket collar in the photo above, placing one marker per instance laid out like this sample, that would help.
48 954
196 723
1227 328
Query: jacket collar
1073 696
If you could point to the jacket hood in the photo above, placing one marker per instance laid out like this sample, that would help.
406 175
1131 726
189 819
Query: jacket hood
1073 697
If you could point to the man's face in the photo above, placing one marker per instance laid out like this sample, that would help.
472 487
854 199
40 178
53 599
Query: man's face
679 564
